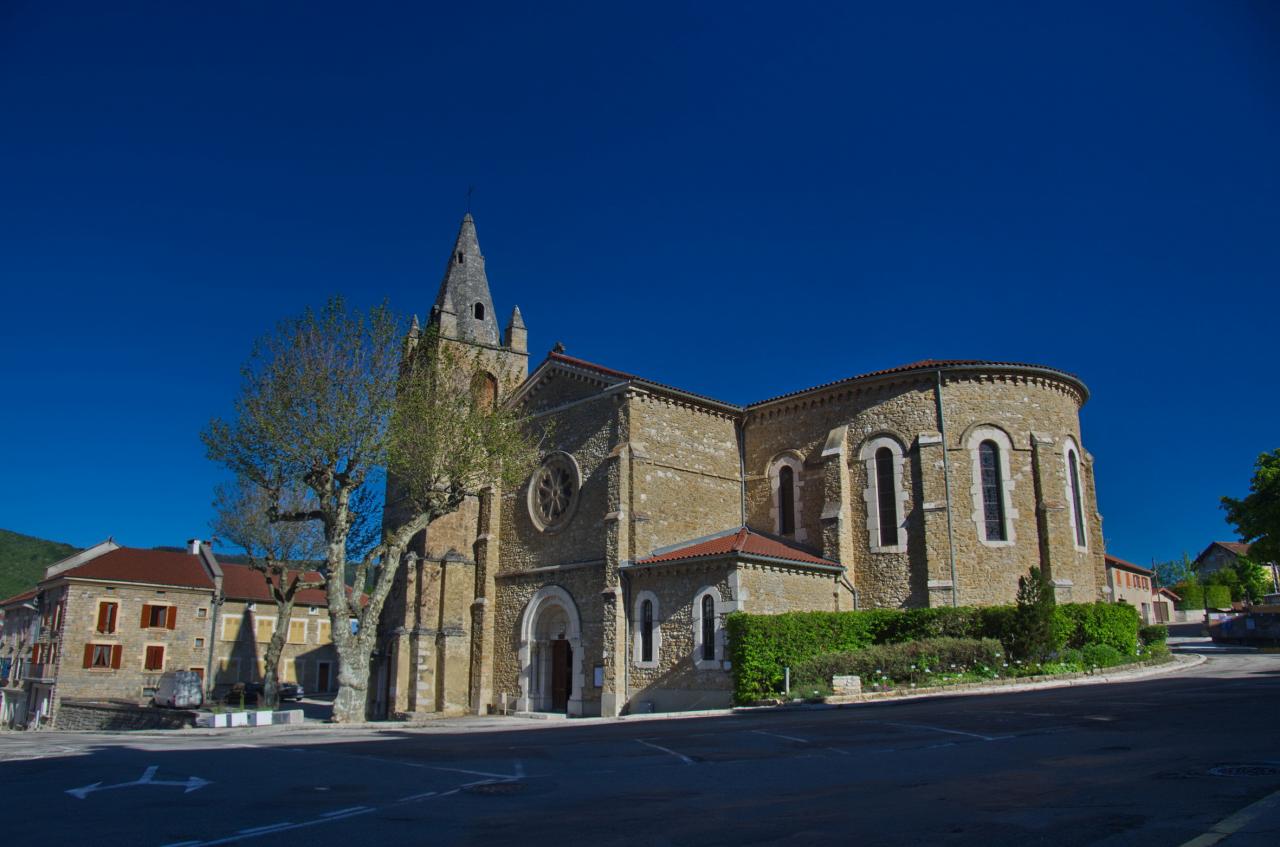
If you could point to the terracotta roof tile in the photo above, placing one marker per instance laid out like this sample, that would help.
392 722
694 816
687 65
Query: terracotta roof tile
1129 566
131 564
742 541
241 582
1237 547
18 598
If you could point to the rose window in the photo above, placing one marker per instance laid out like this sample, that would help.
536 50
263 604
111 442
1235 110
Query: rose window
553 492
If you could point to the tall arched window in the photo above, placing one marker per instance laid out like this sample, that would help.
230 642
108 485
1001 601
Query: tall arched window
786 501
479 311
887 496
1077 504
992 491
708 628
646 631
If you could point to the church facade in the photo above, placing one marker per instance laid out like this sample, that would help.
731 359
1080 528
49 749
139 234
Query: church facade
601 585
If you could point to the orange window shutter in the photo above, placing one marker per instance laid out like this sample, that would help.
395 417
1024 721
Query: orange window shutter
88 655
102 616
146 615
115 656
173 618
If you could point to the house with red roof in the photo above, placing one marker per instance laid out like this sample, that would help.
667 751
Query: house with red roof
105 623
1136 585
601 584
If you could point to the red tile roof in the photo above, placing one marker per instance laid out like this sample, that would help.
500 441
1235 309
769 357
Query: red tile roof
743 542
18 598
1169 592
159 567
241 582
1237 547
1129 566
601 369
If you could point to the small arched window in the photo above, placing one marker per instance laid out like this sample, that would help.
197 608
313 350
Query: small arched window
992 491
646 631
786 501
1077 505
708 628
458 257
886 495
478 311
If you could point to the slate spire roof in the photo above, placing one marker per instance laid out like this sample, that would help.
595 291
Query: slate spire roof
464 292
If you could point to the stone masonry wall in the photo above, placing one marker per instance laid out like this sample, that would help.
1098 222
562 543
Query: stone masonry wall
182 651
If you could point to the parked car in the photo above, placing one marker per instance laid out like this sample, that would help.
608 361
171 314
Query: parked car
253 693
179 690
291 691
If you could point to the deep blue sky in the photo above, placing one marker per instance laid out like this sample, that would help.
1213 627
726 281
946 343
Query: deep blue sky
738 199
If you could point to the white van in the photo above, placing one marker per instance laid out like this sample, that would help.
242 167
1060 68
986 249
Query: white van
179 690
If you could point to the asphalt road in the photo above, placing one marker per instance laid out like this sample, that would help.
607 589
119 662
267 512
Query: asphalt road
1156 761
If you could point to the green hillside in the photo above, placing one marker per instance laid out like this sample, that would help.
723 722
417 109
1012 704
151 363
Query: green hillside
24 558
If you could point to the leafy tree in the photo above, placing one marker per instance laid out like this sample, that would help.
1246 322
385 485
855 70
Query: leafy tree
1254 579
1256 517
1033 628
1175 571
284 552
335 403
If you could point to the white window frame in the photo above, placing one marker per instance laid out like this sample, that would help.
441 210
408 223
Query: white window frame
272 621
1001 439
792 461
698 662
871 494
235 635
637 652
306 631
1075 498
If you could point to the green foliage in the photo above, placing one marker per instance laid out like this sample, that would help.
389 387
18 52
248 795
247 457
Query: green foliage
760 646
1102 656
1256 517
1254 580
1217 596
1192 594
920 663
1158 652
1034 632
1175 571
1156 633
23 559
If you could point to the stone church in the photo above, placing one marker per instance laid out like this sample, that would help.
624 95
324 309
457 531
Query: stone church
601 585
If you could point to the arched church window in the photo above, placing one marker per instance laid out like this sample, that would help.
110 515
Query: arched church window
479 311
646 631
886 495
1077 505
708 628
786 501
992 491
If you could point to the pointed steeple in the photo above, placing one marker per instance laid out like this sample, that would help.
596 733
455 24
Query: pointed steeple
464 307
516 336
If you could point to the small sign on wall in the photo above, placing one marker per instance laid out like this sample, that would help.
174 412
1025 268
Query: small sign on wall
599 677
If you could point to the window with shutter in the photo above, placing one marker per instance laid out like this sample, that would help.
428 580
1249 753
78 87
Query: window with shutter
115 656
107 617
172 619
154 658
297 632
263 627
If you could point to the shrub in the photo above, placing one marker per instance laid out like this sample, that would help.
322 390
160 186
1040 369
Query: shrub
760 646
1158 651
1217 597
939 622
1033 628
1192 595
1114 624
1153 634
1101 656
919 662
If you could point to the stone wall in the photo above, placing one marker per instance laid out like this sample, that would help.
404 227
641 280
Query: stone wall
186 645
77 715
239 647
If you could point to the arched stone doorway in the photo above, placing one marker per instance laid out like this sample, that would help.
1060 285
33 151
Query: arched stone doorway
551 654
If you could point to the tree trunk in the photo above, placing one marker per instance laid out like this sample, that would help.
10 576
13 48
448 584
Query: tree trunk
271 660
352 702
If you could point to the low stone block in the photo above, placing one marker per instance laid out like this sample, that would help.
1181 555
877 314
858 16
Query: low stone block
846 684
288 716
238 719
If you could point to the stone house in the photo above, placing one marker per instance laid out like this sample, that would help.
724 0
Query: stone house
19 626
601 585
1223 554
247 620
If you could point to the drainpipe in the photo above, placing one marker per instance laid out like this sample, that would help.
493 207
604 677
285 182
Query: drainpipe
946 481
844 580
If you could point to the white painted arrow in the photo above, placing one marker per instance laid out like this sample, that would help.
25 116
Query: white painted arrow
191 783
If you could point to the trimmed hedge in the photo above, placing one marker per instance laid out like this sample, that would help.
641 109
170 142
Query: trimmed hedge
1192 594
912 661
1156 633
1217 597
760 646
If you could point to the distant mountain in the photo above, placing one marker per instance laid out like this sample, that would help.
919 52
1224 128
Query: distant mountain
23 559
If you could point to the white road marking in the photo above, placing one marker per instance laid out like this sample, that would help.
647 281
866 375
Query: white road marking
838 750
681 756
480 773
191 783
1236 822
413 797
240 836
780 735
347 811
259 830
943 744
949 731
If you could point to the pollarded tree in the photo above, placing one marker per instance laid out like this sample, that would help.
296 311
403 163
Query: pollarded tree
284 552
332 401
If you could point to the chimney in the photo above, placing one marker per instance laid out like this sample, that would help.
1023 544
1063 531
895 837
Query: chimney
193 546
